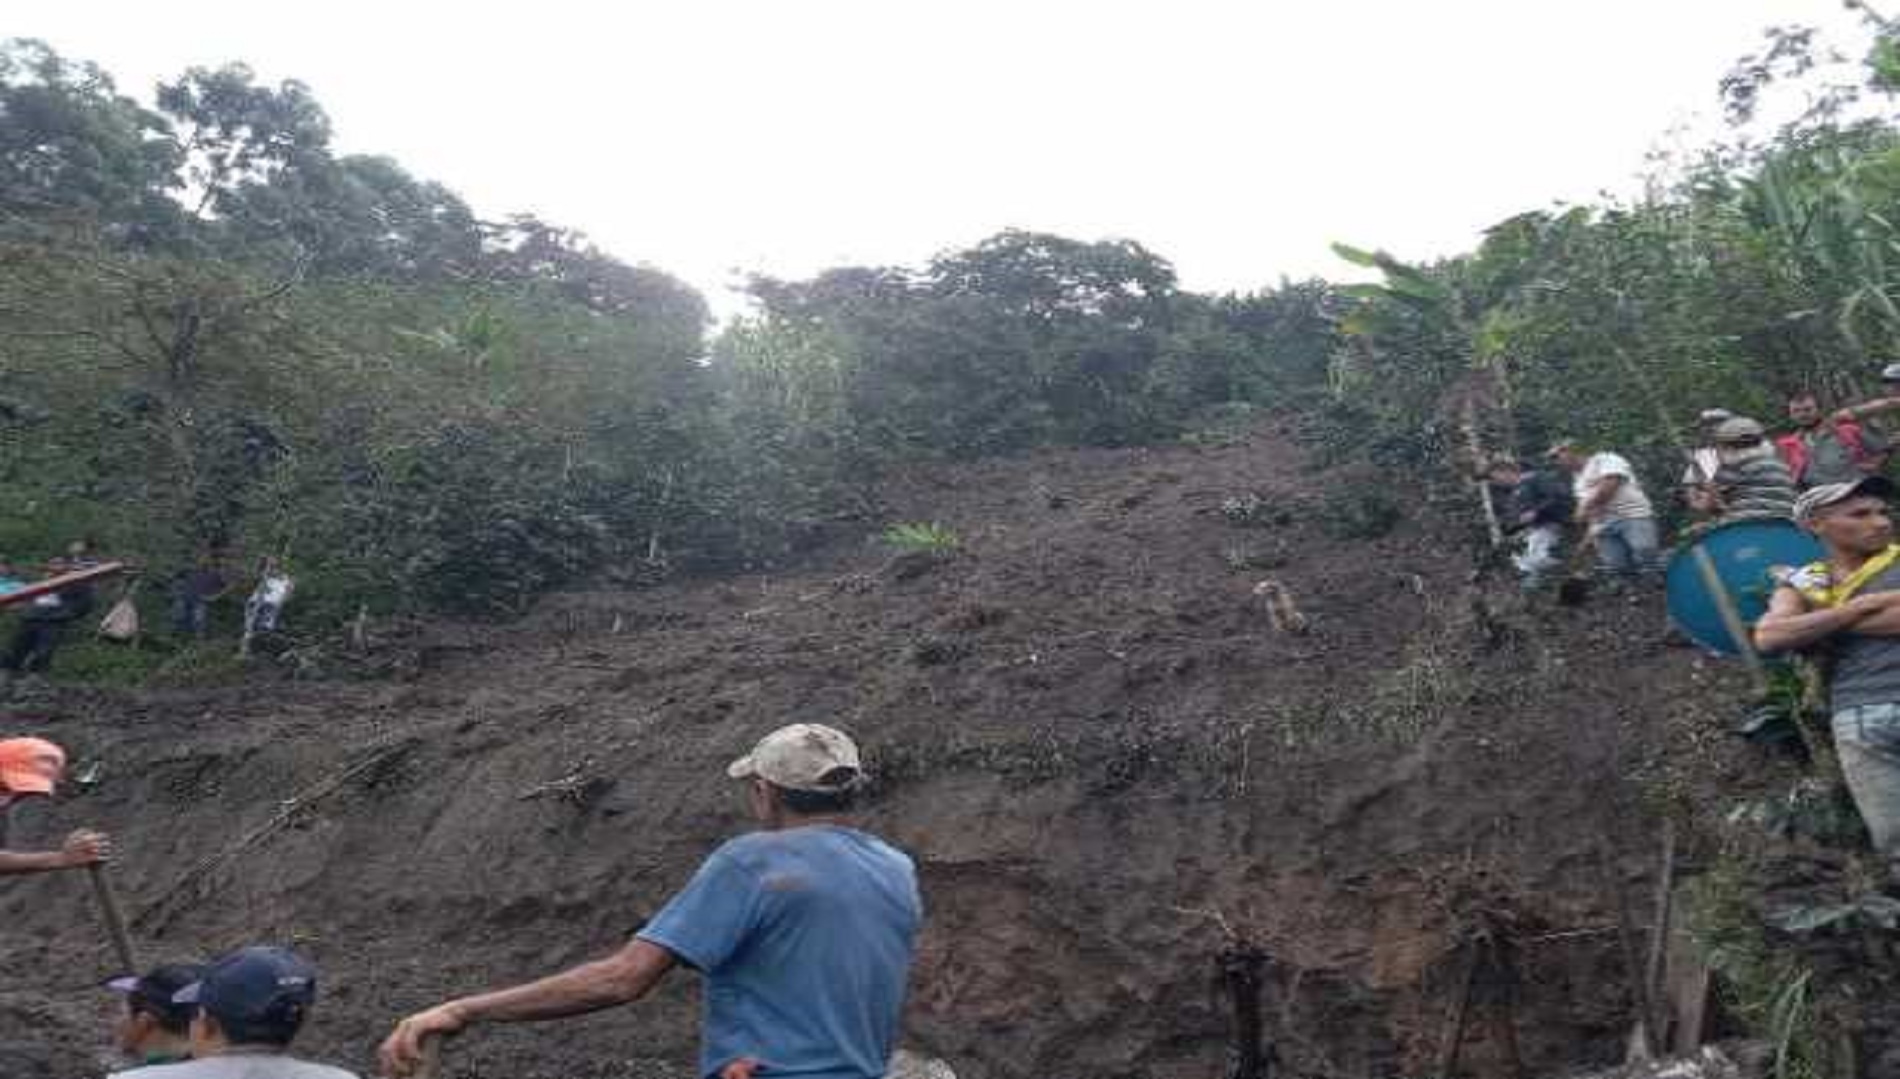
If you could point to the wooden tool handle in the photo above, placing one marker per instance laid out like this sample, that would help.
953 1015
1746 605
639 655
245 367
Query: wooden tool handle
115 921
431 1067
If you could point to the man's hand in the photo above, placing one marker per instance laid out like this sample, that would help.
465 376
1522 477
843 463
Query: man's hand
739 1069
401 1052
86 848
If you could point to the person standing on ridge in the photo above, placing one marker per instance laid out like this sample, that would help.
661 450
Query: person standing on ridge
30 768
266 603
43 624
1848 606
804 933
194 589
1541 506
1825 449
1612 506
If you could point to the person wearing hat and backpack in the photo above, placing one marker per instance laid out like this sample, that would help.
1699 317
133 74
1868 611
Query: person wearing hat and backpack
246 1011
1847 607
30 769
153 1028
804 933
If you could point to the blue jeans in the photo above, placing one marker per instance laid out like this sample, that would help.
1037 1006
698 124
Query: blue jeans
1629 547
1867 738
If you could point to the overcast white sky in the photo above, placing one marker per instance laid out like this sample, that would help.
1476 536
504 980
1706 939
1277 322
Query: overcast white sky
1238 138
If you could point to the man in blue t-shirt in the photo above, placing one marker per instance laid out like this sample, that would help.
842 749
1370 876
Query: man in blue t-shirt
804 933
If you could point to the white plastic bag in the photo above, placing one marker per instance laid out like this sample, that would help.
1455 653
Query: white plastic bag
121 623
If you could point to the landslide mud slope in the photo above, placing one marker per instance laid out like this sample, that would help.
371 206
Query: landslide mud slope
1103 755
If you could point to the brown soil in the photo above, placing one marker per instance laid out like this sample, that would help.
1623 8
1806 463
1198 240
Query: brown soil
1104 756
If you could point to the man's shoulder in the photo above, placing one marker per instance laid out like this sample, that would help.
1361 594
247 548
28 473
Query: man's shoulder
756 848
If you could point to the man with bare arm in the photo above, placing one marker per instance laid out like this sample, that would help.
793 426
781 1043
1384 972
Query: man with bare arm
1848 605
30 768
804 932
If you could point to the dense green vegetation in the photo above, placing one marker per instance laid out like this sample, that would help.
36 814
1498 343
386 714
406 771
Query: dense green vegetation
217 334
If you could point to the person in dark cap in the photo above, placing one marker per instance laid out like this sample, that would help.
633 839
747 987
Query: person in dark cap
153 1028
803 931
1847 607
247 1009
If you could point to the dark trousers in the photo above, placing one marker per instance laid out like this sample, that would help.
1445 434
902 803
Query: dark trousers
32 646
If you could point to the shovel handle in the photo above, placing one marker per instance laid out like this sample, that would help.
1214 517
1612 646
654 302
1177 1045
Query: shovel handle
114 919
431 1066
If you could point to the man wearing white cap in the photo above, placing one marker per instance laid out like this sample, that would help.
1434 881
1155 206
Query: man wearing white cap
804 932
1849 605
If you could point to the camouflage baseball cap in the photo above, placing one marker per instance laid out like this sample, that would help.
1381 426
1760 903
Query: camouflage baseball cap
802 757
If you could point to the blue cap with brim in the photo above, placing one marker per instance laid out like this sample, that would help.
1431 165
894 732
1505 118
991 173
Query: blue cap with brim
254 985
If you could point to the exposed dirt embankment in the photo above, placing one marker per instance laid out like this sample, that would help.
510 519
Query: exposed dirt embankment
1087 728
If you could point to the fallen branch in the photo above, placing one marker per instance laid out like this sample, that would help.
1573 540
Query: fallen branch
207 867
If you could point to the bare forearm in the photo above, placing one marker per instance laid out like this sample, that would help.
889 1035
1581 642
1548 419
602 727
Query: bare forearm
1883 621
35 861
1870 408
1792 632
604 983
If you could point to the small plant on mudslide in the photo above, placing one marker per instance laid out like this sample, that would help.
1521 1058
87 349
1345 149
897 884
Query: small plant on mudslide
921 538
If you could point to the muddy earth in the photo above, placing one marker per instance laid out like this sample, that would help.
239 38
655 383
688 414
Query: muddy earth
1114 758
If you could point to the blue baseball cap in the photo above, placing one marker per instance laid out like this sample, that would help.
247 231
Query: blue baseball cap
255 985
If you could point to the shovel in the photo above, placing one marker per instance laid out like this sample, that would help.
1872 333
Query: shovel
110 913
1769 712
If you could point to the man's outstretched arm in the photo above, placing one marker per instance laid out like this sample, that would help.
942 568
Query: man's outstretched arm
621 978
81 849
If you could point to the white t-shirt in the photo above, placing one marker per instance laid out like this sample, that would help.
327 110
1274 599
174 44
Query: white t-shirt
1629 502
1707 462
273 589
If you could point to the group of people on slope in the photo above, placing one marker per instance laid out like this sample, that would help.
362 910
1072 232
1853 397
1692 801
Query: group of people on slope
1735 471
804 932
1825 474
1600 492
46 621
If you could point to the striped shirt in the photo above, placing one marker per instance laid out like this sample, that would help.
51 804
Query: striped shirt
1755 482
